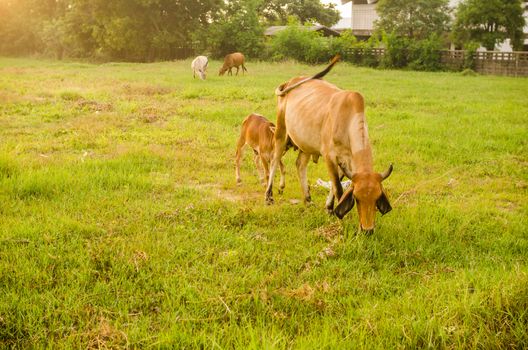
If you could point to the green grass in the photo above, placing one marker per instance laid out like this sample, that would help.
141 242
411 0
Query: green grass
121 224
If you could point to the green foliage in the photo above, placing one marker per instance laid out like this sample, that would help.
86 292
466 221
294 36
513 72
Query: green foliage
135 30
426 54
239 31
414 19
341 44
468 72
300 43
490 22
276 12
401 52
469 58
397 51
147 30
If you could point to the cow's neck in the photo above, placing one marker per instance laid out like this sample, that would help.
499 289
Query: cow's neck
360 145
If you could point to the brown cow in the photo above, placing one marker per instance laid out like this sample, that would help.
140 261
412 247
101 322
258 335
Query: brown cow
258 133
322 119
233 60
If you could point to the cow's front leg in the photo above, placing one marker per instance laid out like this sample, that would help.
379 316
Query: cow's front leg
302 165
337 189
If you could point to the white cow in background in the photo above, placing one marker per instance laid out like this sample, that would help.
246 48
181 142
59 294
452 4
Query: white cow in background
199 65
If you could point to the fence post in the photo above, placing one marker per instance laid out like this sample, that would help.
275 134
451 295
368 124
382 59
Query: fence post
516 63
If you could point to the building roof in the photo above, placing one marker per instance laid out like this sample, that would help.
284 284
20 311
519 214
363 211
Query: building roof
359 2
273 30
344 23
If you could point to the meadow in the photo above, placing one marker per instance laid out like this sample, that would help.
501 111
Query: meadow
121 224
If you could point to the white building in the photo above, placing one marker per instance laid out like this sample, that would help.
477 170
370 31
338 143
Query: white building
362 17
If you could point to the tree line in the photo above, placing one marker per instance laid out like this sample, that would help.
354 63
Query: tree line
147 30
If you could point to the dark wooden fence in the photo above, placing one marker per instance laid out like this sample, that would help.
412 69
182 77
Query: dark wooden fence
489 62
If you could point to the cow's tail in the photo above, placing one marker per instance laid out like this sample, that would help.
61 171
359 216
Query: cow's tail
282 90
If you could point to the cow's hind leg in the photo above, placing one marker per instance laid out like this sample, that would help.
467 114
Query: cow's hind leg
302 164
282 177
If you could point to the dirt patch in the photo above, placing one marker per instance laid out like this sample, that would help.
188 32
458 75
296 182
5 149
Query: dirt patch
105 336
93 106
144 89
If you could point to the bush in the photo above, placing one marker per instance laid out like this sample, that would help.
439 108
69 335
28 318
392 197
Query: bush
401 52
342 44
426 54
469 58
396 51
301 44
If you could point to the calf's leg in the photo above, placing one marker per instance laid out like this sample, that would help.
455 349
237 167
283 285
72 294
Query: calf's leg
260 171
240 145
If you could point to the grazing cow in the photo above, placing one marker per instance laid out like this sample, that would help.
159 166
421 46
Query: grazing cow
323 120
258 133
233 60
199 65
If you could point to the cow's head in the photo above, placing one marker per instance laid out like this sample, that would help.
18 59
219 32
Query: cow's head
367 190
203 74
222 70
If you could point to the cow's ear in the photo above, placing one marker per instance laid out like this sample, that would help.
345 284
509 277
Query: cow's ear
346 203
383 204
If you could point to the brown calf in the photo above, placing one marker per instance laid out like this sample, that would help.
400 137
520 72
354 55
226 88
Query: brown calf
233 60
258 133
323 120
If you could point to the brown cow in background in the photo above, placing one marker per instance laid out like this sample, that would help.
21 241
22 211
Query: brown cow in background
258 133
233 60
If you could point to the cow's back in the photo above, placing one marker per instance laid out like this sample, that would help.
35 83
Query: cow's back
306 109
199 62
234 59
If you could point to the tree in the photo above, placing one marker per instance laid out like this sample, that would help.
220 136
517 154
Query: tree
20 24
278 11
238 30
489 22
413 19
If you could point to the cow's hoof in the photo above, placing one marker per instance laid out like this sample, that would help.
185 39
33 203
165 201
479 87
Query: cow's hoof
269 201
281 190
330 211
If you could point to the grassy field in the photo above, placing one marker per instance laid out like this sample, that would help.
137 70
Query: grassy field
121 224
